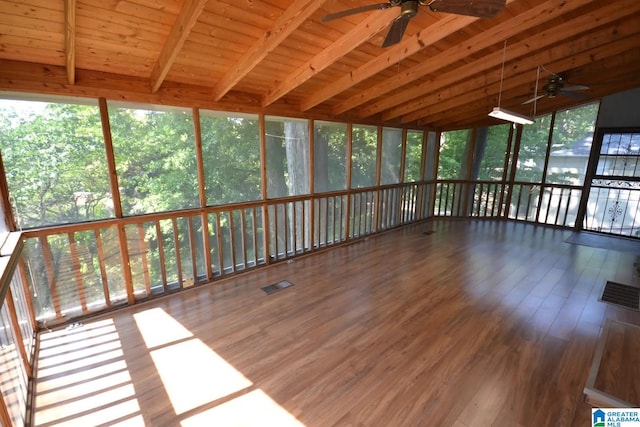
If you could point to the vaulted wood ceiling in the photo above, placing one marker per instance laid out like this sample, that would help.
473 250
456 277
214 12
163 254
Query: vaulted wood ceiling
277 56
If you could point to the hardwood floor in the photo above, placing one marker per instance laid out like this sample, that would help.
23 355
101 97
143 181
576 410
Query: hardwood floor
479 323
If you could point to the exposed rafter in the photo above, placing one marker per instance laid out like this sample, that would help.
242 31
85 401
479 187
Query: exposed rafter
439 30
538 15
248 56
467 75
70 39
560 62
288 22
369 27
191 10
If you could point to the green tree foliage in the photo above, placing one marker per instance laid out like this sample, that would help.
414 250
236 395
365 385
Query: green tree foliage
364 156
413 156
55 162
155 159
492 158
330 156
452 148
231 151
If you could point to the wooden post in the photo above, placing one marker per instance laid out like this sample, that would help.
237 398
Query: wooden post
115 195
202 193
546 164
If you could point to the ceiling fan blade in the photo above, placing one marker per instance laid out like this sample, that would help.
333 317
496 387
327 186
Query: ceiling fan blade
478 8
573 95
354 11
574 88
396 31
535 98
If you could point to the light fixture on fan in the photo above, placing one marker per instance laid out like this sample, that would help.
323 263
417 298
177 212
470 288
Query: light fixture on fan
502 113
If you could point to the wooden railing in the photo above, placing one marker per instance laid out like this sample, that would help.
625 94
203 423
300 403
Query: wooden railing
79 269
16 334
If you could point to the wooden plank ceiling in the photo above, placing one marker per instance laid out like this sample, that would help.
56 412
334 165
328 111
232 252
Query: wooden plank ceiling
277 56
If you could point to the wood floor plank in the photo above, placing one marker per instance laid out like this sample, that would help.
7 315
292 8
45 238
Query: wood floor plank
478 323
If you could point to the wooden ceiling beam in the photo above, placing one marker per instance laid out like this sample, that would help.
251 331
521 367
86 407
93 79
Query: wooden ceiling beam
527 20
287 23
187 18
369 27
491 91
619 65
70 39
466 78
611 52
392 55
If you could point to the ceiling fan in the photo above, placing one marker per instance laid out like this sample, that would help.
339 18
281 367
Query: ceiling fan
557 86
409 9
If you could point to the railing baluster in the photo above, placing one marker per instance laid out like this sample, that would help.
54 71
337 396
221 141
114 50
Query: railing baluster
566 209
48 264
176 244
103 270
254 224
520 187
276 244
559 204
192 249
326 221
206 245
493 200
75 261
243 217
161 258
142 247
219 242
526 216
232 240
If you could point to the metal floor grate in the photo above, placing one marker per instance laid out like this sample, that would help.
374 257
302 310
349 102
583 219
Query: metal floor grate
277 286
622 295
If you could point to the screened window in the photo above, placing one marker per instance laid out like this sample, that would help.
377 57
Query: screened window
533 147
452 151
55 163
571 145
154 149
492 153
330 156
287 152
391 156
364 154
231 157
413 156
431 154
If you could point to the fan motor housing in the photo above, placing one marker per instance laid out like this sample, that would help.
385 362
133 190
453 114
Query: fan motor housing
409 9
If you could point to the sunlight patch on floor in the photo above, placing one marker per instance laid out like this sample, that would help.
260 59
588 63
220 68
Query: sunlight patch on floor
194 377
158 328
83 379
90 404
255 408
44 385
